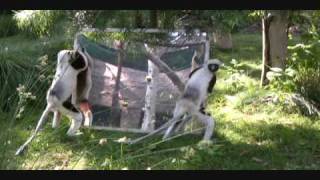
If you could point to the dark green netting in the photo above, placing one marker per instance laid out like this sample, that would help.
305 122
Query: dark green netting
96 50
176 60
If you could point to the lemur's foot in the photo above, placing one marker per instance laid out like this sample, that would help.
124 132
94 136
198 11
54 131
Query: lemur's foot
74 134
86 110
205 142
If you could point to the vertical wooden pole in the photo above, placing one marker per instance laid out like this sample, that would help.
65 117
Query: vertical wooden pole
149 118
265 50
207 50
115 107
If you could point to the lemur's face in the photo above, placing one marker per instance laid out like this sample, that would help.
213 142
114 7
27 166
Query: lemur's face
214 65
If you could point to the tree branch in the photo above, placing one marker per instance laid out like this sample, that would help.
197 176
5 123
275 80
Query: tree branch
163 67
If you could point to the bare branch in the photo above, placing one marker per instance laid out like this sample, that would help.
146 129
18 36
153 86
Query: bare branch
163 67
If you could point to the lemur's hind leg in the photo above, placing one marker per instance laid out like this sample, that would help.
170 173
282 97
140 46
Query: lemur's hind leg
179 111
56 119
86 110
164 126
173 126
176 127
182 124
76 121
208 121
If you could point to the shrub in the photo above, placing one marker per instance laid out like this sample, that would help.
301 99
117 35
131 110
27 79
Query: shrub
304 58
8 26
308 83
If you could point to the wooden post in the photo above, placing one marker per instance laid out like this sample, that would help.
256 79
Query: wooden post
115 107
149 118
266 50
207 49
195 61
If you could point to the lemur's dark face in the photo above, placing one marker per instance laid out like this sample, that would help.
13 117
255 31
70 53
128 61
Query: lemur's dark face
213 67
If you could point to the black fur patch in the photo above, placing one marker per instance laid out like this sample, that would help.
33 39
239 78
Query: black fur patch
81 83
202 110
212 83
68 105
213 67
196 69
78 62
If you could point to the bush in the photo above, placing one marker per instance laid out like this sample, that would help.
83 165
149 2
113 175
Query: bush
304 58
7 26
12 72
308 83
29 63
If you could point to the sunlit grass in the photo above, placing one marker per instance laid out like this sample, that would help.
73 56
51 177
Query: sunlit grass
250 133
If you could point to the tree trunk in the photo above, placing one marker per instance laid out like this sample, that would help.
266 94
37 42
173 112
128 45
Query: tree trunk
115 107
207 51
222 40
275 42
154 19
150 99
278 38
138 19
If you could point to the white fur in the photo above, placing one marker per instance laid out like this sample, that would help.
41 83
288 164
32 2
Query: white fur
200 81
65 81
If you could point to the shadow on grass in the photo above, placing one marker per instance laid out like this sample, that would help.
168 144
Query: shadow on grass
270 147
262 146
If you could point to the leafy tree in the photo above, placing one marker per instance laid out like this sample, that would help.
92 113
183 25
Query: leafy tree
37 23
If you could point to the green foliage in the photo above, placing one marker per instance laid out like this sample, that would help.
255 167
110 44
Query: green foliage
103 18
214 20
257 14
29 63
228 21
219 20
308 83
37 23
7 26
282 80
304 59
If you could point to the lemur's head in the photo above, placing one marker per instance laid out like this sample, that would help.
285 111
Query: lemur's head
213 65
75 58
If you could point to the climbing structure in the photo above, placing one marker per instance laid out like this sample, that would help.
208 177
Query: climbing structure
146 92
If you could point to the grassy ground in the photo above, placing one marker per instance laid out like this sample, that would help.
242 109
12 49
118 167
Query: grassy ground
256 128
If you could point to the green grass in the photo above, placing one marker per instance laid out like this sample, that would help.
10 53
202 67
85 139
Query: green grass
255 129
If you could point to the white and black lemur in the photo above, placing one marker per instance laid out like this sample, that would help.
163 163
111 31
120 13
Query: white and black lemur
67 94
192 101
